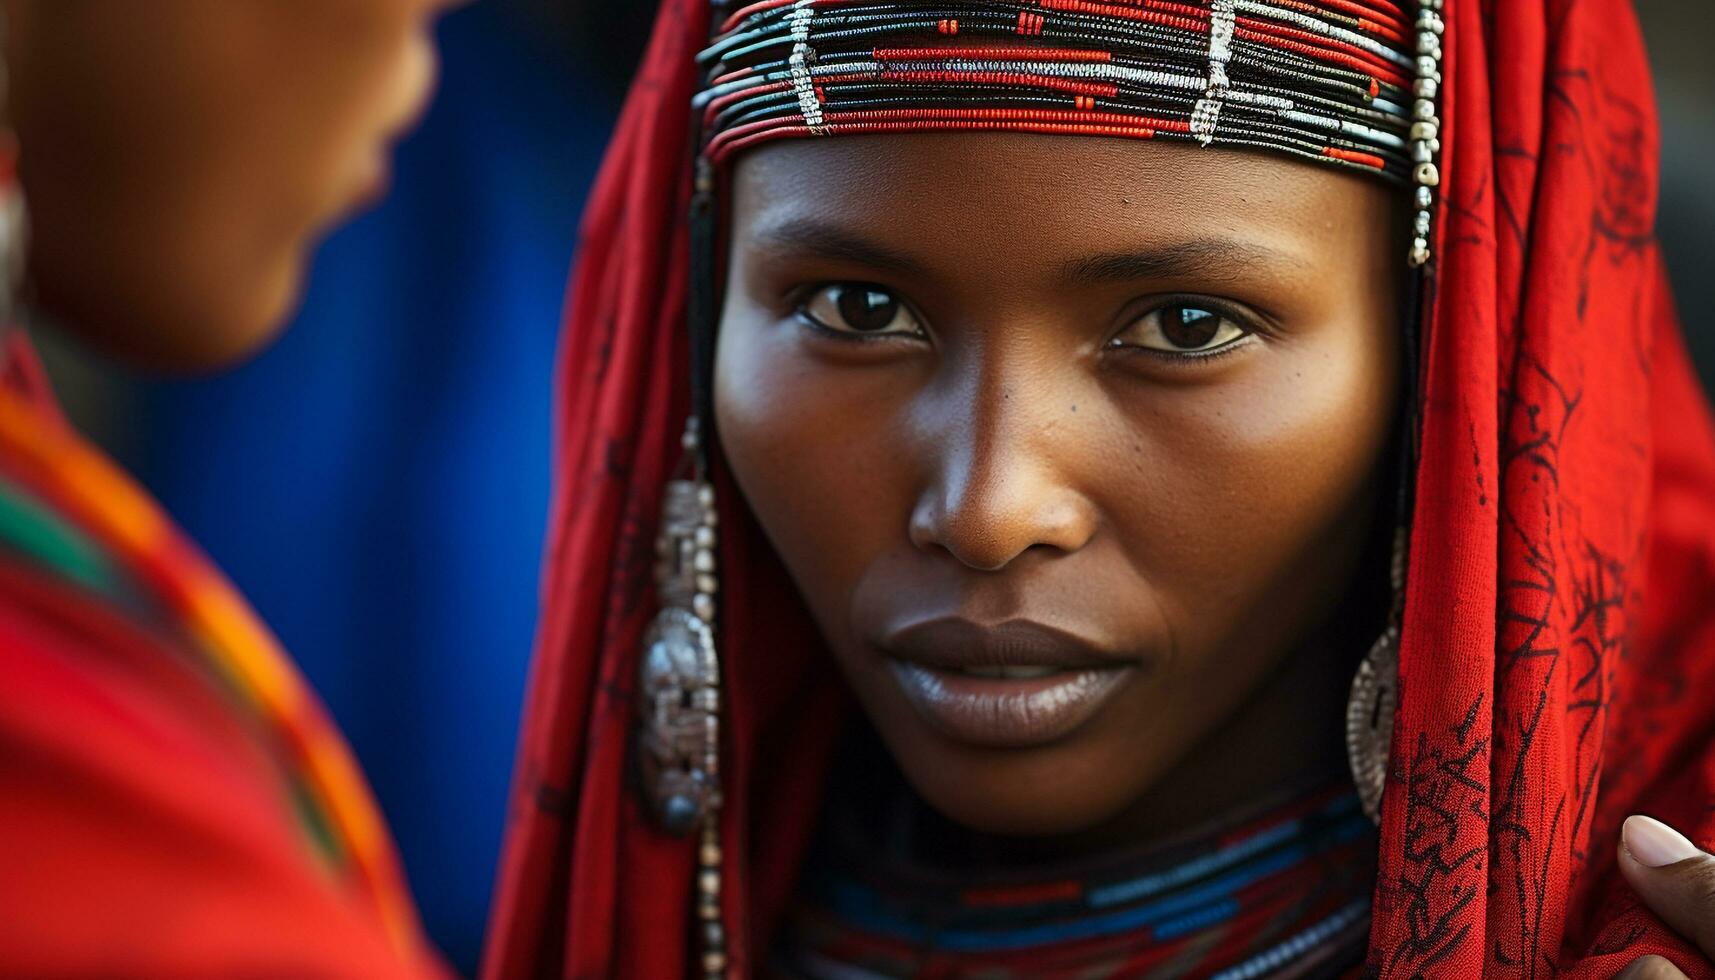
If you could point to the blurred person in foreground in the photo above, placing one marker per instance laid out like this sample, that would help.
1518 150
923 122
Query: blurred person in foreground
390 452
176 800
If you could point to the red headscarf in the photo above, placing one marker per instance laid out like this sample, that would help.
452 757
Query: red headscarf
1559 634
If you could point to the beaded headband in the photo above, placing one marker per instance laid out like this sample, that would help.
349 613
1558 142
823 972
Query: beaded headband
1352 83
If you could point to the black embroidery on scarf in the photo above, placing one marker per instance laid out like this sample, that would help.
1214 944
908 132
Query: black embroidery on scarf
634 570
1538 411
1565 596
1599 635
1624 218
1440 879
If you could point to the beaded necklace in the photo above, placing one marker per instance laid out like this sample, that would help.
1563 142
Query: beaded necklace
1283 891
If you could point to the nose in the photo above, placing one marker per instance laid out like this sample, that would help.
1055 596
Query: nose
998 482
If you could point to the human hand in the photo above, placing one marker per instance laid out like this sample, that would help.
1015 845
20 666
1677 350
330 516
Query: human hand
1676 879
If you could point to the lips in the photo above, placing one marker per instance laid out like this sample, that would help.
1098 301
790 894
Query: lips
1015 685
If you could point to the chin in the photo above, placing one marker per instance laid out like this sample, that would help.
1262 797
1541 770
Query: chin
1039 792
177 326
257 320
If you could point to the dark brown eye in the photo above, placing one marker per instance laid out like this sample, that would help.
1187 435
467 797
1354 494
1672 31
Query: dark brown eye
1182 328
860 308
1188 327
868 310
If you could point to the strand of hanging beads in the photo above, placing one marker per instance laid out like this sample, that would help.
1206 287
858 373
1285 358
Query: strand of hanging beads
709 857
1426 128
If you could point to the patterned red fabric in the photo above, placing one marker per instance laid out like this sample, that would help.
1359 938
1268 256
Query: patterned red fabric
1559 631
145 833
149 816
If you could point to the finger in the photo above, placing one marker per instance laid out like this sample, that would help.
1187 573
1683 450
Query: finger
1652 968
1673 877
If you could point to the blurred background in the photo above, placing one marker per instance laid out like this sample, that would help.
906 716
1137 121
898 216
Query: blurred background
378 482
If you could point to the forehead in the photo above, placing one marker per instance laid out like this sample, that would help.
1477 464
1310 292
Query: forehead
978 192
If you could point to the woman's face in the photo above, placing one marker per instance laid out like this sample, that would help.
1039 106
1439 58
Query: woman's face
180 157
1067 442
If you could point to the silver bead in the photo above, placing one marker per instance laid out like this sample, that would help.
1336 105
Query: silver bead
704 561
709 883
703 607
705 537
1425 132
706 495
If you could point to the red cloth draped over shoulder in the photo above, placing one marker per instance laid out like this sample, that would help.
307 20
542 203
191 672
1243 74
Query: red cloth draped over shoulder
1559 638
147 831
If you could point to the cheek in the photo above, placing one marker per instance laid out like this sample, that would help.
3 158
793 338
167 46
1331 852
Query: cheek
810 448
319 89
1265 489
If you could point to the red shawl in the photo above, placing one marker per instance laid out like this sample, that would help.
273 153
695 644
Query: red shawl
1559 633
156 821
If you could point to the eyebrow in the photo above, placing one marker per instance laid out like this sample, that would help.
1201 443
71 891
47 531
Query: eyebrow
1210 259
1207 259
831 242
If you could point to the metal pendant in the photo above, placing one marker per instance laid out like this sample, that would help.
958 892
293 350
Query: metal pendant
679 675
680 692
1369 719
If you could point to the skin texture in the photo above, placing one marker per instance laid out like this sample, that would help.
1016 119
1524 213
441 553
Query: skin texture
1198 521
1676 879
181 157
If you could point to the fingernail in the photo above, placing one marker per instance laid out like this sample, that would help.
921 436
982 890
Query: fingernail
1655 844
1650 966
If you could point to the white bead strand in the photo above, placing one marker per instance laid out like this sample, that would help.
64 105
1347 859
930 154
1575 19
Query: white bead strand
1425 145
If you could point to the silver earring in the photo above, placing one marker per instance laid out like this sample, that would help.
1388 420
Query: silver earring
1375 696
679 690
